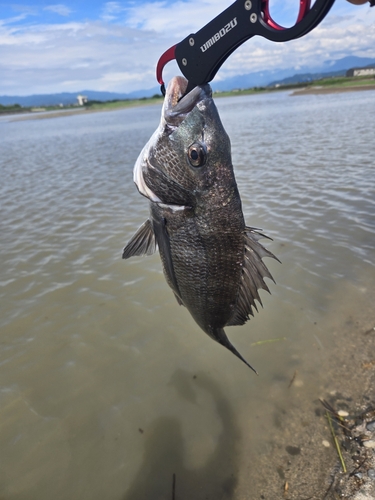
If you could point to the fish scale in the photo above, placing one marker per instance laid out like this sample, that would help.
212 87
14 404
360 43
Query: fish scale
216 288
211 260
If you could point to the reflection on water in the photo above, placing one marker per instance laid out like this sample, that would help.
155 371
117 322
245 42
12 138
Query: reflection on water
107 386
164 448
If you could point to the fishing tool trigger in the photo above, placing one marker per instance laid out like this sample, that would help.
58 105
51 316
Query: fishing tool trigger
200 55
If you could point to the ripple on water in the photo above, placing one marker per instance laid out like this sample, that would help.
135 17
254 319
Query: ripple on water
101 346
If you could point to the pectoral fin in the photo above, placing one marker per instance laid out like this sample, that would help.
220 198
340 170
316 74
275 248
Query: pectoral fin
142 243
162 238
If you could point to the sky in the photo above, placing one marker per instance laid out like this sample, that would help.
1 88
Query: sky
48 47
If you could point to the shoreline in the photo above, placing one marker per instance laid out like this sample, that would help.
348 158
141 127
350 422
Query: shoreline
312 468
41 115
316 90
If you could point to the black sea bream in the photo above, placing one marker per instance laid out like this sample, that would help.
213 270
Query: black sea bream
211 260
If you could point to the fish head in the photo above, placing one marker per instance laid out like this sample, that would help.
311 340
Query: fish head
189 154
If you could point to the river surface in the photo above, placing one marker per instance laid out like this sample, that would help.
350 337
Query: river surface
107 386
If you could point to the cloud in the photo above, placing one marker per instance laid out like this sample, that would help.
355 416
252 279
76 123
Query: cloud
119 50
111 10
75 56
60 9
323 43
24 10
174 18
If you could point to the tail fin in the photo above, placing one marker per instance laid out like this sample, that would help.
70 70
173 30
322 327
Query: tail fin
220 336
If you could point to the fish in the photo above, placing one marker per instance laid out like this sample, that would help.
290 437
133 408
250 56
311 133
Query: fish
211 260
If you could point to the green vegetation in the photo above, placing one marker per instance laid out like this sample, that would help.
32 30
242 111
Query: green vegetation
111 105
90 105
16 108
345 81
12 108
253 90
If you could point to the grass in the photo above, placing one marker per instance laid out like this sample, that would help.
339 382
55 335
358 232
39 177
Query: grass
111 105
12 108
345 81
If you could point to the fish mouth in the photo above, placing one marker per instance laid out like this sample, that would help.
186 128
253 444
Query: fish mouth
177 105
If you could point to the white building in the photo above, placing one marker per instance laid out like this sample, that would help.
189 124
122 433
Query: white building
369 71
82 99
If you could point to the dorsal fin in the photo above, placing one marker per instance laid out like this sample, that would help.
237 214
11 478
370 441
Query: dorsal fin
253 273
142 243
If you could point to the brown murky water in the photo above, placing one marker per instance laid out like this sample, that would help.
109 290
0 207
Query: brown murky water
107 386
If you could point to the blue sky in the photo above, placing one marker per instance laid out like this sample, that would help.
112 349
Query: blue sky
48 47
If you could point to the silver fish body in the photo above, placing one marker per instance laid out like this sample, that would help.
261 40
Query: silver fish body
211 259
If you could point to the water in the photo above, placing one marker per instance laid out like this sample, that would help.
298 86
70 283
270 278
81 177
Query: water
107 386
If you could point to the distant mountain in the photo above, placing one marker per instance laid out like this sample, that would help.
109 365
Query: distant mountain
333 68
257 79
347 63
306 77
285 76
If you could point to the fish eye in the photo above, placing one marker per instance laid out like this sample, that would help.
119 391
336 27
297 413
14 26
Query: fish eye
197 155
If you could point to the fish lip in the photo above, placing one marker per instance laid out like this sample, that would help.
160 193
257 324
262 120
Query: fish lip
177 105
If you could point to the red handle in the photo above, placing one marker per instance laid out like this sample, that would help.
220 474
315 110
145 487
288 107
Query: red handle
304 7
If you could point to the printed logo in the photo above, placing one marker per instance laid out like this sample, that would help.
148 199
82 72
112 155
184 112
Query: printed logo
219 35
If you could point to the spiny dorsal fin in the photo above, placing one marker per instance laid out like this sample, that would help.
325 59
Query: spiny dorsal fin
253 273
142 243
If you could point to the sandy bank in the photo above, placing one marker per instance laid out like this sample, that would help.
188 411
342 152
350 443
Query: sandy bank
303 463
331 90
